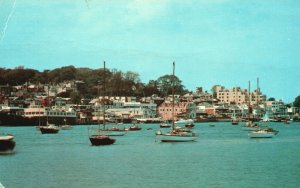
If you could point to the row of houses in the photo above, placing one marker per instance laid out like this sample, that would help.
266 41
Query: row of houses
199 105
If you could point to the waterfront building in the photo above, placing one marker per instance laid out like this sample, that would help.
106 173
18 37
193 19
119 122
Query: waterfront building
239 96
181 110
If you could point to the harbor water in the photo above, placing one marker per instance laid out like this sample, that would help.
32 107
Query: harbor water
223 156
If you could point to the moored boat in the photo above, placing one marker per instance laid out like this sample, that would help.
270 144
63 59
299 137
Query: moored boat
100 140
134 128
261 134
101 137
165 125
179 134
7 144
49 129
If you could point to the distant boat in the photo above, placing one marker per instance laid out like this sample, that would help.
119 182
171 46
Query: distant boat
184 121
250 126
99 138
114 131
179 134
134 128
266 117
66 126
261 134
234 120
7 144
165 125
49 129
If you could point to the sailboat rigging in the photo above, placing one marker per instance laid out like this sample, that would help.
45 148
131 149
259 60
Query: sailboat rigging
48 128
100 138
176 134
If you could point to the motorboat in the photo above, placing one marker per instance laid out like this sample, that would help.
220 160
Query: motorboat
7 144
261 134
165 125
184 121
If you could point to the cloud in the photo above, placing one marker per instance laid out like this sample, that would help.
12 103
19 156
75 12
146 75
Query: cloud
141 10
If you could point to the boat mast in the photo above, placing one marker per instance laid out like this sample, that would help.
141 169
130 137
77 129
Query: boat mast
173 98
249 102
257 92
47 107
104 96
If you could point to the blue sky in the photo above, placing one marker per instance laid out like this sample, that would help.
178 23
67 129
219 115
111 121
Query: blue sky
226 42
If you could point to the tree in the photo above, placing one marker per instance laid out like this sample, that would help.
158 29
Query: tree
297 102
165 82
214 90
271 99
75 97
151 88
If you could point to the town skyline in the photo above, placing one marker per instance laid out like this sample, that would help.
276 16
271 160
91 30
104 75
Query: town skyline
220 42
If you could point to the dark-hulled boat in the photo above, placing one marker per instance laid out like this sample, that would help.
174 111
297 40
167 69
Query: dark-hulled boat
134 128
190 125
7 144
49 129
99 140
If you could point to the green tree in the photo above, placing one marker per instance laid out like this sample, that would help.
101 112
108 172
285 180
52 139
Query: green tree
271 99
75 97
165 82
297 101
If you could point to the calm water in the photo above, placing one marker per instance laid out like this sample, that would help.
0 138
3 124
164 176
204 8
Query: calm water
223 156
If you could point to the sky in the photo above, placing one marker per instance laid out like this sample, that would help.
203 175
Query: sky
213 42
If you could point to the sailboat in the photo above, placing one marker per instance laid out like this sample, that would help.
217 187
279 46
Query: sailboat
176 134
165 124
134 126
101 137
7 144
234 120
48 128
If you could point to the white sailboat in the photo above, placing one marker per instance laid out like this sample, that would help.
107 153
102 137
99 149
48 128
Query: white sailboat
176 135
234 120
66 126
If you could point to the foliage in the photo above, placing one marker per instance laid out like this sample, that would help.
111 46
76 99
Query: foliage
165 85
117 83
271 99
297 101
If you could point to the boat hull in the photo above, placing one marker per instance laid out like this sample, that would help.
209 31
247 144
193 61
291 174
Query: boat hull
7 146
176 138
49 130
97 140
113 133
261 135
66 127
134 128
